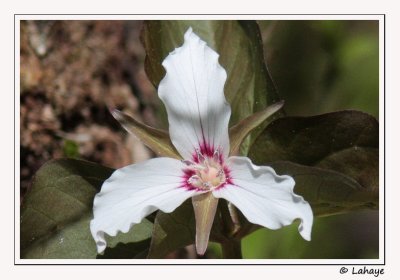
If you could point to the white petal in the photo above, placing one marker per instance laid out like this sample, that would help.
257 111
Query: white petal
135 191
264 197
192 92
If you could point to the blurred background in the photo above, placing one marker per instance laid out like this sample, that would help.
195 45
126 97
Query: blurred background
73 71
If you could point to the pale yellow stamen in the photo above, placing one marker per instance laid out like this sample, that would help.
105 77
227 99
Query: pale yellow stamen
209 174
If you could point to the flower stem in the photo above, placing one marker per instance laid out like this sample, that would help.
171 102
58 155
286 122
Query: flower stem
232 249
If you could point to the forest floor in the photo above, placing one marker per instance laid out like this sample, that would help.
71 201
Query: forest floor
72 73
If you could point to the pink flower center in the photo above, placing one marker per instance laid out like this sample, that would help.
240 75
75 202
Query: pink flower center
207 173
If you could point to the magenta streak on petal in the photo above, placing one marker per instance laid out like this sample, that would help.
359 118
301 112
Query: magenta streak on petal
207 150
187 173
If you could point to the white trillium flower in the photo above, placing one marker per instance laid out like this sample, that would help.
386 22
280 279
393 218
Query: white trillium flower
198 116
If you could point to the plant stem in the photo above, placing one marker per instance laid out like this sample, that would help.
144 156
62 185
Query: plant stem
232 249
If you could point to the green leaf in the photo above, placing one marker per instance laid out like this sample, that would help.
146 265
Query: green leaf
334 158
70 149
136 250
359 163
327 191
55 214
172 231
248 88
308 140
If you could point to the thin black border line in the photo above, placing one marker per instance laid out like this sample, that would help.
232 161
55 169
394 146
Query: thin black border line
228 264
14 144
384 138
202 264
199 15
